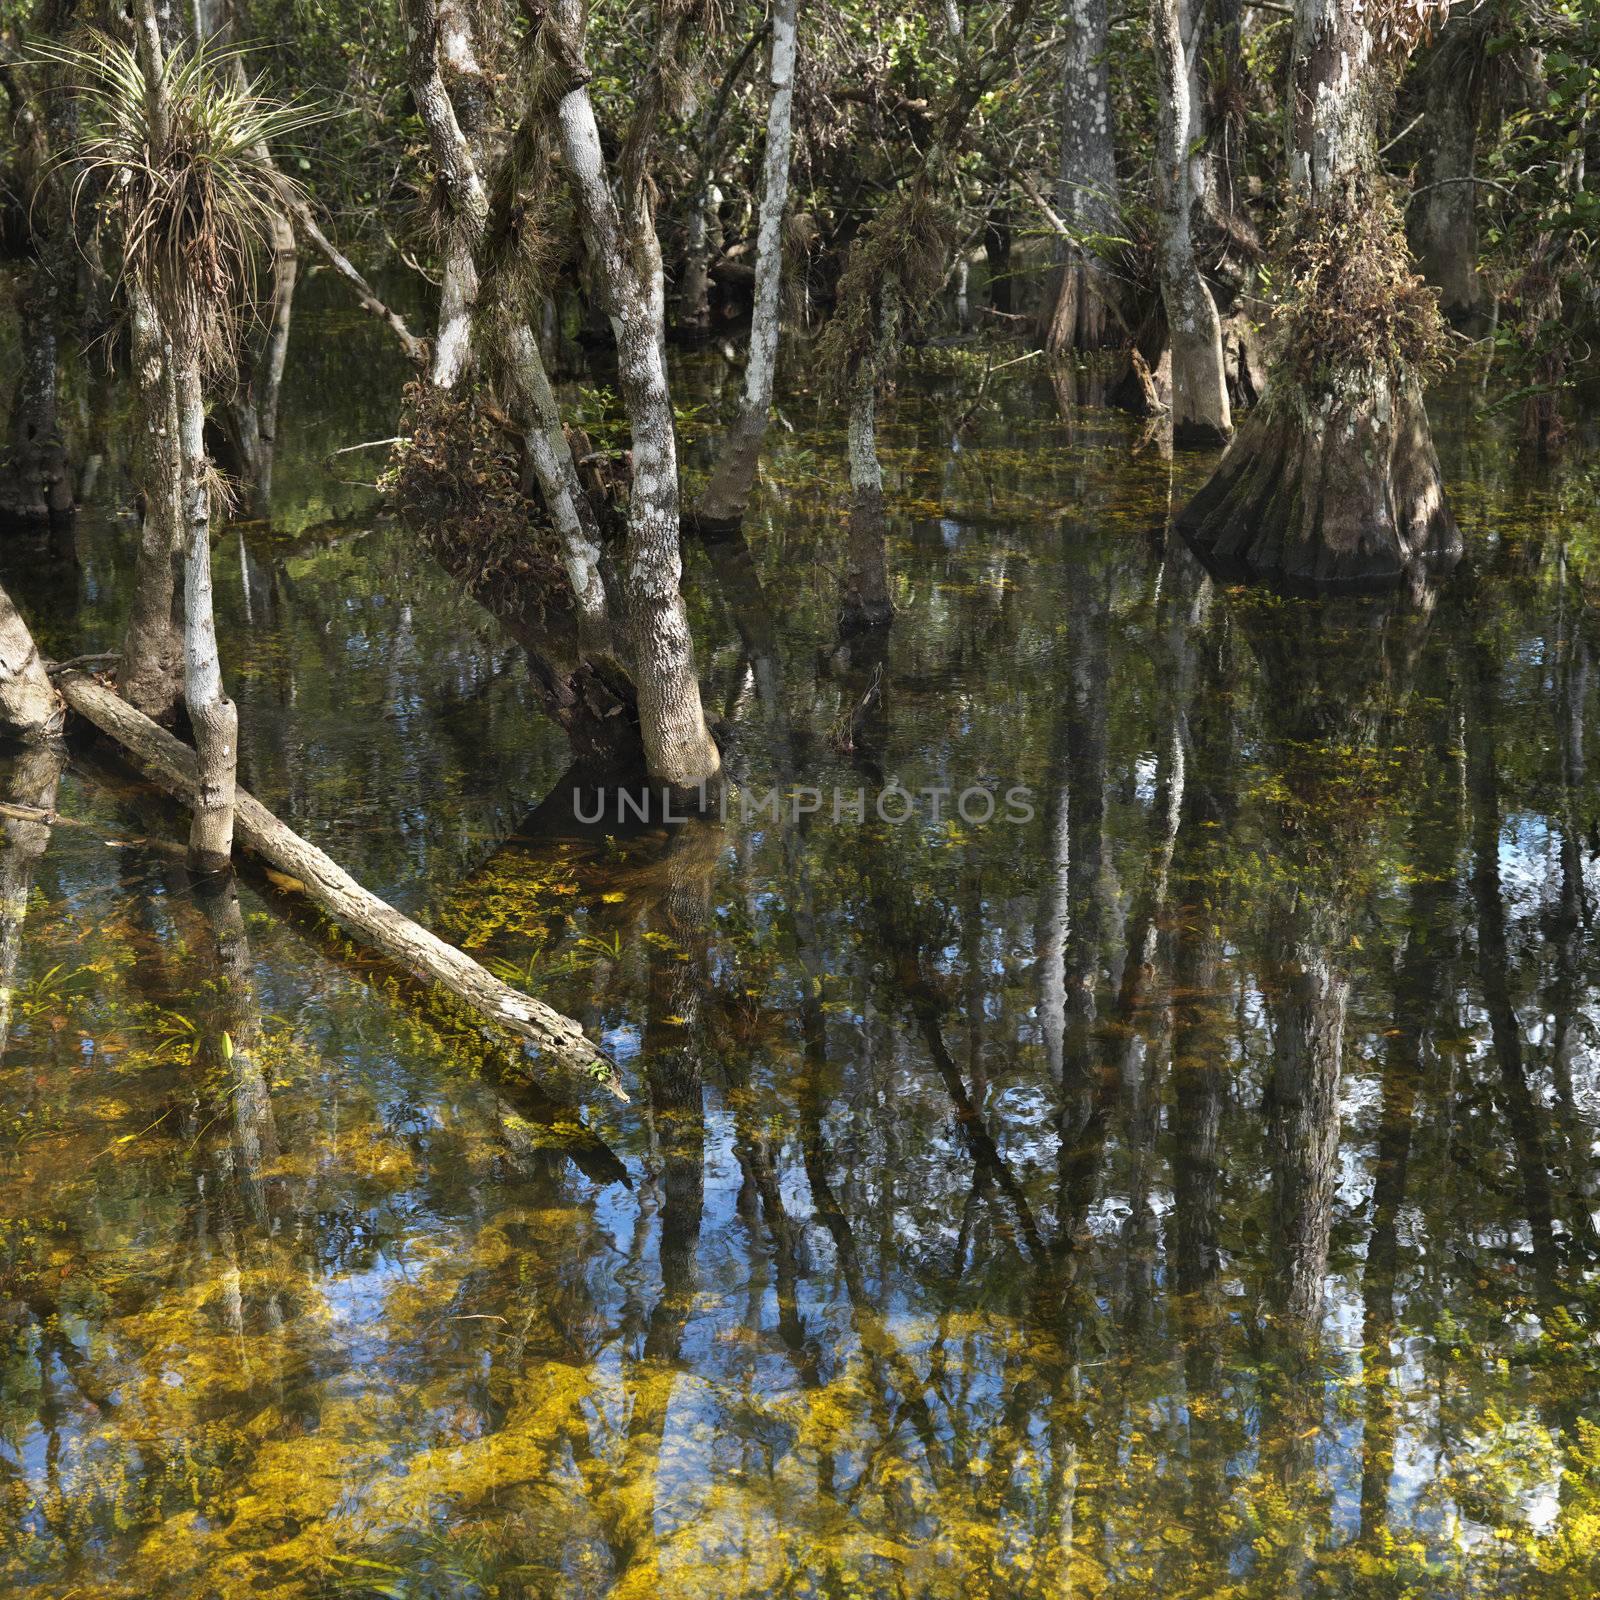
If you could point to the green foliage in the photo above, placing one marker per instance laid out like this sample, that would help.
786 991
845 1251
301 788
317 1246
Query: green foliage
1542 207
364 163
182 167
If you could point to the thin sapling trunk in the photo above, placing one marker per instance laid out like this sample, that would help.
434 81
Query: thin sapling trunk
213 716
1200 411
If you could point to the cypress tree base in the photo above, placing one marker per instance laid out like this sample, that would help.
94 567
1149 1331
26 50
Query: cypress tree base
1338 491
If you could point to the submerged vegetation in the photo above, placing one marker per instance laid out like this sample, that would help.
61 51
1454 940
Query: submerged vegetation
783 424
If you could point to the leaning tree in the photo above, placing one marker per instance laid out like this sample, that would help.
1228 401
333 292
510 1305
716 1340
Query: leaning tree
175 140
1333 480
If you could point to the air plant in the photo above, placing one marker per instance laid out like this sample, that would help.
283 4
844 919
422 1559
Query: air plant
175 153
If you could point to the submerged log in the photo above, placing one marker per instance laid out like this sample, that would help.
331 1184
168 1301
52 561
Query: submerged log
173 765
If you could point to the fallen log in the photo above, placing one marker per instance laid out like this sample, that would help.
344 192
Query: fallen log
172 764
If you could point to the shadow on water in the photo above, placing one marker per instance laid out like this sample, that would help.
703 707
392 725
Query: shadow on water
1178 1177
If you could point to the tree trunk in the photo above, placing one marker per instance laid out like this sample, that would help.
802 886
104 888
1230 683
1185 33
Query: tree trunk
255 414
1200 412
1308 1008
439 42
212 714
447 82
285 273
1085 318
550 455
31 784
704 240
36 487
866 604
733 477
150 674
1444 225
1333 480
679 749
29 704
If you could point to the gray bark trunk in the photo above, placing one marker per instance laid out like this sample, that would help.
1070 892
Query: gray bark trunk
448 84
705 238
250 417
1200 411
213 715
150 674
29 705
679 749
1444 219
1088 187
267 381
439 42
549 454
728 493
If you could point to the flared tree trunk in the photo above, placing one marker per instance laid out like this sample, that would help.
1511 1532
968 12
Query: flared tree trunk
1083 317
213 716
1333 481
1200 410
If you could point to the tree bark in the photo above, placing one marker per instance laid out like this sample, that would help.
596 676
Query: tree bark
214 717
1084 317
36 487
733 477
174 766
439 39
448 83
1444 224
252 415
1200 411
679 749
150 674
1333 480
866 603
550 455
29 706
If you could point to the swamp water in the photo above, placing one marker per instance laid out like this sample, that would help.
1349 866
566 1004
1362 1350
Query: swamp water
1185 1189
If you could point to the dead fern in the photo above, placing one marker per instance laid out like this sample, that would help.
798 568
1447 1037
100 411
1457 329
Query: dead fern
1350 300
457 484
